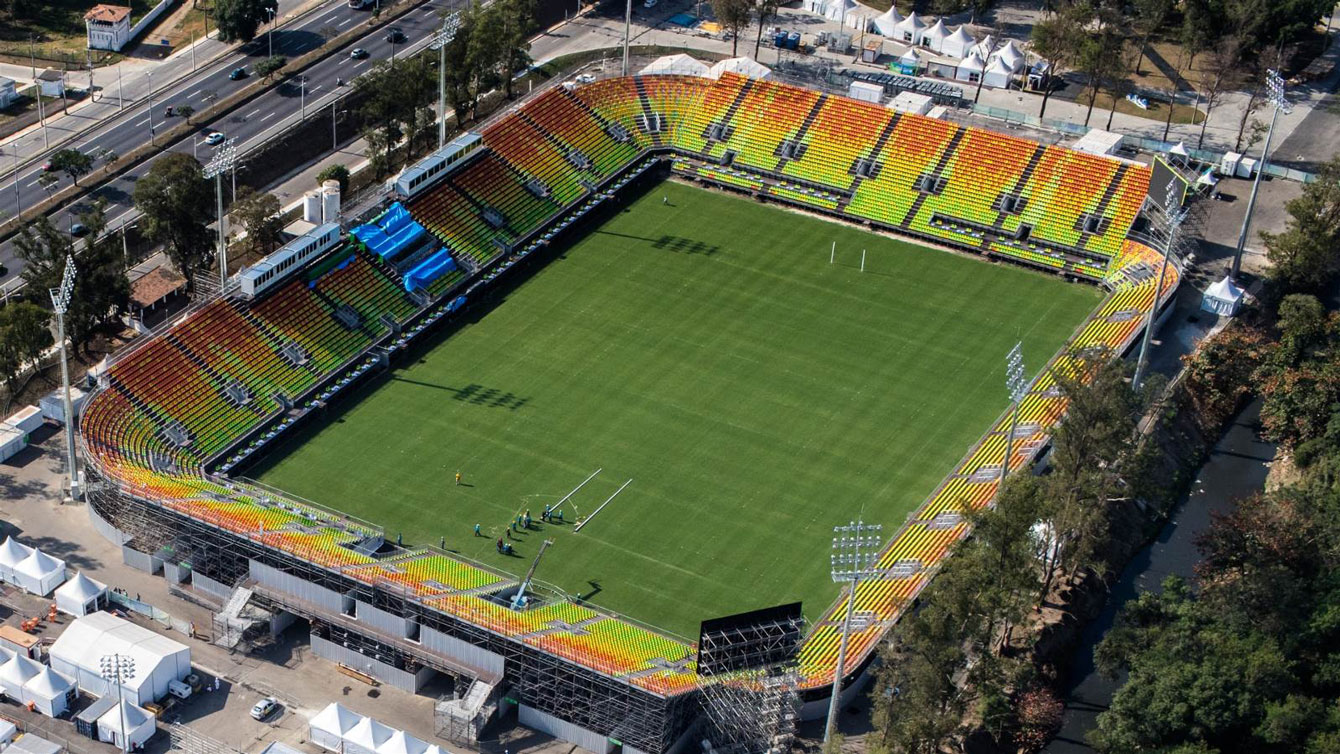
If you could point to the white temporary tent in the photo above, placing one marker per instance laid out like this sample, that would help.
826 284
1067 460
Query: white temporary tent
139 726
970 69
910 58
328 727
676 65
31 743
1011 56
998 74
958 44
367 736
15 673
158 660
910 29
985 47
935 36
835 9
743 66
39 573
887 22
7 731
49 692
1223 298
12 552
402 743
81 596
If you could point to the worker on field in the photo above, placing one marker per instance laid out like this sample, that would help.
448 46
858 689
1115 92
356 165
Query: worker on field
458 479
477 532
500 544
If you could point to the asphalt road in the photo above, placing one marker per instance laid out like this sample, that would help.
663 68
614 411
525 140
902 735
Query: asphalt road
244 125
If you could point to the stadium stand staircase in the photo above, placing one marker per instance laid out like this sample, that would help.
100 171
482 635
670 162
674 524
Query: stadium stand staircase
804 129
647 111
1109 194
935 173
875 151
1018 187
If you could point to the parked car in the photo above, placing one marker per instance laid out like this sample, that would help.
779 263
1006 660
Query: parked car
358 53
264 708
237 73
585 78
214 138
78 229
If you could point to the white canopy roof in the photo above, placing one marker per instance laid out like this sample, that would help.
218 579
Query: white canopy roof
887 22
937 32
1010 49
91 637
910 57
1179 149
1010 55
39 565
971 63
681 65
18 671
369 734
836 9
961 38
80 588
999 66
13 552
983 48
743 66
48 684
402 743
135 717
912 23
1224 290
335 719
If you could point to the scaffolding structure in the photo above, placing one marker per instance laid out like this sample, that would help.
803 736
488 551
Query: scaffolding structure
185 739
753 714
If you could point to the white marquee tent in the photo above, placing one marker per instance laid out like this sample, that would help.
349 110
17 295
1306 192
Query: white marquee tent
958 44
985 47
970 69
49 692
676 65
80 596
39 573
367 736
139 727
887 22
1223 298
1010 54
15 673
402 743
12 552
328 727
910 29
998 74
935 36
743 66
158 660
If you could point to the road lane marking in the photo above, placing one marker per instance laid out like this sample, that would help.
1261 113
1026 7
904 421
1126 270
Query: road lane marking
192 94
253 112
345 21
268 116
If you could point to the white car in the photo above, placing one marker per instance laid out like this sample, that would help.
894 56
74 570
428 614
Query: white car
214 138
264 708
587 78
649 3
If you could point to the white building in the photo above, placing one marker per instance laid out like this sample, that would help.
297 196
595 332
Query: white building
910 30
12 552
8 92
15 674
139 726
157 659
49 692
108 27
81 596
935 36
958 44
39 573
886 23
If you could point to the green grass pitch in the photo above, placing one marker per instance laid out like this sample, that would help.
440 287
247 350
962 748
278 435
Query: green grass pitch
706 349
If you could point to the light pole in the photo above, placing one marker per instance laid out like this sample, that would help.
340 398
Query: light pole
149 75
1016 384
449 26
41 116
855 549
60 303
18 196
627 31
302 95
1174 215
119 669
222 162
120 92
1275 96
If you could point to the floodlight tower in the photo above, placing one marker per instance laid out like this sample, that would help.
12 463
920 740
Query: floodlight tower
119 669
1016 384
1275 96
60 303
450 25
855 550
222 162
1174 216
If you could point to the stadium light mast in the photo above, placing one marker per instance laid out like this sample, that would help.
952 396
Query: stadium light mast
1016 384
855 549
60 303
1174 216
1275 96
222 162
627 31
440 41
118 669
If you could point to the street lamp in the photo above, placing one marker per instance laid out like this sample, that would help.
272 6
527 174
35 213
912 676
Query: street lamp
855 550
119 669
302 94
1275 96
222 162
440 41
1016 384
149 75
1174 216
60 303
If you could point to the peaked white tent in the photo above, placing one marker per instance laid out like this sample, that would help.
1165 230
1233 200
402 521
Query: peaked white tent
139 726
958 44
12 552
911 57
1011 55
39 573
935 36
1223 298
887 22
743 66
676 65
910 29
402 743
970 69
328 727
997 74
81 596
367 736
49 692
985 47
15 673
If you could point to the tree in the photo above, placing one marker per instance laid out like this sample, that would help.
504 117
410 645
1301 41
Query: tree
259 213
48 182
1150 16
270 66
1056 39
733 15
108 157
1099 54
72 162
1303 258
177 204
26 329
337 172
767 10
239 20
186 111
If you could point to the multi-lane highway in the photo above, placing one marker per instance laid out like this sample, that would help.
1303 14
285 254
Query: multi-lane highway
244 125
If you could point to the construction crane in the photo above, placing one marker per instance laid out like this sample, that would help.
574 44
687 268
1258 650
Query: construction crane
525 583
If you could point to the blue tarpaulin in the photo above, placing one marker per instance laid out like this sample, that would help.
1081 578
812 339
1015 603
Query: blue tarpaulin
430 269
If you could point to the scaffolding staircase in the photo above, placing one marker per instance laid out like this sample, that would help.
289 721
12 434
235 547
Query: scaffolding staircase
237 618
464 718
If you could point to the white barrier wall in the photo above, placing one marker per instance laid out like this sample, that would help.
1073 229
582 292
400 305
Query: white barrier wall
570 732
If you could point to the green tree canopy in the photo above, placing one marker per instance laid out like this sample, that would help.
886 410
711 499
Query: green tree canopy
239 20
178 205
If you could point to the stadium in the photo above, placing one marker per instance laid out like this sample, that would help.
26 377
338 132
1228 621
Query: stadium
532 284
